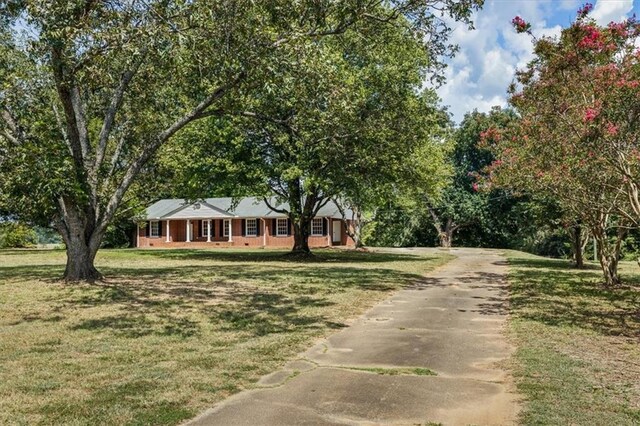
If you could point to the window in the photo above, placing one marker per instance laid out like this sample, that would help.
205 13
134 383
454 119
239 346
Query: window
204 228
317 226
155 228
226 228
251 227
282 227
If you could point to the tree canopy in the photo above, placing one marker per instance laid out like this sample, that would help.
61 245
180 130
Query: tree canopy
91 90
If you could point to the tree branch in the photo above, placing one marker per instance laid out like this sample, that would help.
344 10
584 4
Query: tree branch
150 149
110 115
281 211
17 136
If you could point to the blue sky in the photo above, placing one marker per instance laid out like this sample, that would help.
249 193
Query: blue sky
477 78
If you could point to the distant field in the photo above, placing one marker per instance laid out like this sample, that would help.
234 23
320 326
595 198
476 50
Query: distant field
170 332
578 357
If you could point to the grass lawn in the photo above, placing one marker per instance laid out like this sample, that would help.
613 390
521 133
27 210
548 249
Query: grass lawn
170 332
578 356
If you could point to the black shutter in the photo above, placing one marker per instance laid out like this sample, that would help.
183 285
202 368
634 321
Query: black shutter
324 226
148 232
244 228
160 229
258 226
274 226
213 228
289 227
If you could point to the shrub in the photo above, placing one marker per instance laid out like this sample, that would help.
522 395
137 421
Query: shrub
17 235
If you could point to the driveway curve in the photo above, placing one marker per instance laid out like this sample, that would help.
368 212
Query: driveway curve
431 353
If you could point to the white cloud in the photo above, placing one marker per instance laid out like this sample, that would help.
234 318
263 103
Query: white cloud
478 77
606 11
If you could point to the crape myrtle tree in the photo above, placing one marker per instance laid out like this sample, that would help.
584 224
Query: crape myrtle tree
576 141
92 89
347 115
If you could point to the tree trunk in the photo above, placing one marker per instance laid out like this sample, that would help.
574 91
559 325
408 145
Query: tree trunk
446 239
301 233
82 237
356 220
445 233
80 262
609 254
357 230
577 245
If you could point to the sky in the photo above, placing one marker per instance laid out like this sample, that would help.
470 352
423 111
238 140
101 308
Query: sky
479 74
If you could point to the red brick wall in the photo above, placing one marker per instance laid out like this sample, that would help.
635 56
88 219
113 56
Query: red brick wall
267 236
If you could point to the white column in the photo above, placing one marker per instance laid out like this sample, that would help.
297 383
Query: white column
209 230
264 232
329 230
168 239
188 230
230 230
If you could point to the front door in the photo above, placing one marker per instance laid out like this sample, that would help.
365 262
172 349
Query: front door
337 231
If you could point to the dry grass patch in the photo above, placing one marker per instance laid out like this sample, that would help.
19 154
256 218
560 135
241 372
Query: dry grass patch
170 332
578 358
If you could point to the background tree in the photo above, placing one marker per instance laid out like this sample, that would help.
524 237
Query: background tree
85 101
459 207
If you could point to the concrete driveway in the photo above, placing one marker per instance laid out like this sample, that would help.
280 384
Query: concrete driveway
376 371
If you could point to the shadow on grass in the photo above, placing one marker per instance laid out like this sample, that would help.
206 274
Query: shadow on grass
269 255
556 264
550 292
251 298
255 292
31 272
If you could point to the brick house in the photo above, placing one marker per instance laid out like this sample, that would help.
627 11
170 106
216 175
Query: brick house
219 222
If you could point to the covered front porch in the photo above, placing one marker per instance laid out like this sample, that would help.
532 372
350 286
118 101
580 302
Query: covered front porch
188 232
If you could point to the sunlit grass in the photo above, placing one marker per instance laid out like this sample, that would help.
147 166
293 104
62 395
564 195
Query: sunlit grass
578 358
170 332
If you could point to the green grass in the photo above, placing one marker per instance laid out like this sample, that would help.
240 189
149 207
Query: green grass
577 359
170 332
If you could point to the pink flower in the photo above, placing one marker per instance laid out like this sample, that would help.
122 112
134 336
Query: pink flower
475 186
618 28
585 9
590 114
520 24
612 129
592 39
